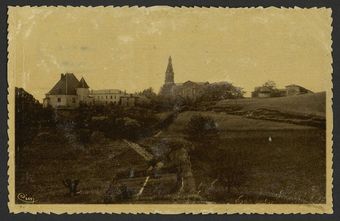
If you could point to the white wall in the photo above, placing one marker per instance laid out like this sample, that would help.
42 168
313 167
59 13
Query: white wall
106 98
83 94
68 101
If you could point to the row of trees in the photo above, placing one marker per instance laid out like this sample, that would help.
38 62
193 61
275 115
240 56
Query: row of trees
115 121
29 117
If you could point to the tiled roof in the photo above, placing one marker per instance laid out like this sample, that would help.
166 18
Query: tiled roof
82 83
66 85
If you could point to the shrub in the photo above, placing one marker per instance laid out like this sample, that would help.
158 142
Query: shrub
84 136
199 126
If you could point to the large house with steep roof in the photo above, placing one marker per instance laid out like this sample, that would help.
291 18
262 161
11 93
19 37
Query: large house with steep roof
69 93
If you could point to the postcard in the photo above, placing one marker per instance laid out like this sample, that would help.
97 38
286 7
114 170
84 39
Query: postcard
170 110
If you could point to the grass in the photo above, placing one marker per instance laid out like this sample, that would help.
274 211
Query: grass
48 162
307 104
289 169
226 123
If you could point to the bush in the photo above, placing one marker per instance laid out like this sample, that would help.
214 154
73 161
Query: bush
84 136
199 126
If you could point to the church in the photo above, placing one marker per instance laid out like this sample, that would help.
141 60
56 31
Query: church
188 90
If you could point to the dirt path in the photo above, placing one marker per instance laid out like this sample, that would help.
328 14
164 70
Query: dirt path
140 150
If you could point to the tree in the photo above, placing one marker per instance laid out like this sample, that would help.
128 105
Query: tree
201 126
222 91
148 93
270 84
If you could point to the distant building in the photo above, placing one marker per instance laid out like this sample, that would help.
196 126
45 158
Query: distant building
189 89
69 93
263 92
128 100
108 96
294 89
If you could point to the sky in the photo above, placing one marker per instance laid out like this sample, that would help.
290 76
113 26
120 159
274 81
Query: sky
128 48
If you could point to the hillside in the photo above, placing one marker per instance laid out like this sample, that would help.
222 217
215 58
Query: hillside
227 122
308 104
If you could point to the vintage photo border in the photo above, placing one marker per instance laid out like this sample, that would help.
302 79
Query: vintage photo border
180 208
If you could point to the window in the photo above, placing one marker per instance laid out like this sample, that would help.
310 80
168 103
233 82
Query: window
73 100
59 99
111 96
106 96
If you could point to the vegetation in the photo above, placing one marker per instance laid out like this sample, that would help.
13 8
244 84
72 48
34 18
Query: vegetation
29 117
306 104
270 86
116 122
200 126
232 167
216 92
228 157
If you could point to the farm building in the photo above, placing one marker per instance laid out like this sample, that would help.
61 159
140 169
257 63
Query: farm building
294 89
289 90
264 92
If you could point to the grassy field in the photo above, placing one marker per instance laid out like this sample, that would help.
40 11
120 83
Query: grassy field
228 123
288 169
51 158
314 104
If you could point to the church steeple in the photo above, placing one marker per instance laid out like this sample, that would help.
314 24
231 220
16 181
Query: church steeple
169 73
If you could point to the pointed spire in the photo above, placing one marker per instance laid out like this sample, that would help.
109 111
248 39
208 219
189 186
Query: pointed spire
82 83
169 73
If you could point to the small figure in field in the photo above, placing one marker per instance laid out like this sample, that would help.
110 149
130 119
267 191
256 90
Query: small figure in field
72 186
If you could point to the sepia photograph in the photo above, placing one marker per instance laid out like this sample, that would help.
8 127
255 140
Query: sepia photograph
170 110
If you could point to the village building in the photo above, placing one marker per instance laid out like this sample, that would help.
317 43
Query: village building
107 96
69 93
294 89
262 92
289 90
189 89
128 100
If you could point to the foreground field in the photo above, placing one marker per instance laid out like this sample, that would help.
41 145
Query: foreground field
52 158
285 162
290 168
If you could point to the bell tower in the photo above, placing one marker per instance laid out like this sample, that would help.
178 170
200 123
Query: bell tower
169 73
